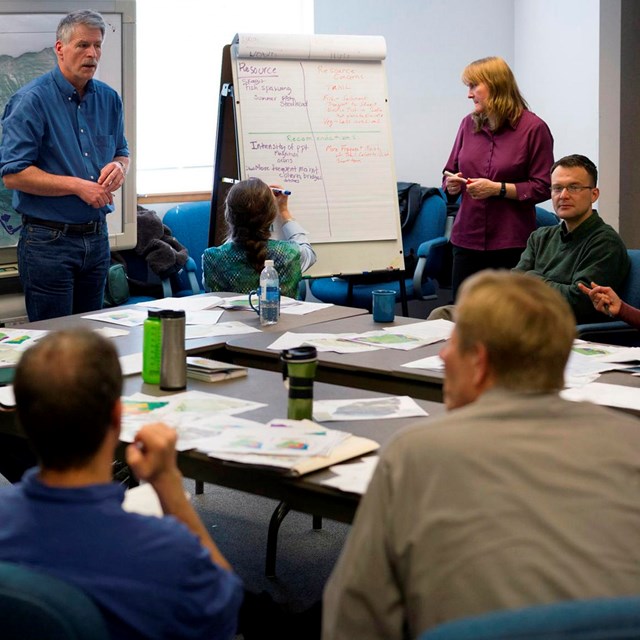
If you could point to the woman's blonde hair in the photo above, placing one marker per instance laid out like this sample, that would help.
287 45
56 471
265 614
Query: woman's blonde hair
505 102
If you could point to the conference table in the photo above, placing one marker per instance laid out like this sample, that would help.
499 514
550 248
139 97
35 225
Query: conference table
379 370
305 493
132 342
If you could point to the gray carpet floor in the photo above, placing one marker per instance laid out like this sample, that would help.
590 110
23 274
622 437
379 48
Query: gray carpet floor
238 522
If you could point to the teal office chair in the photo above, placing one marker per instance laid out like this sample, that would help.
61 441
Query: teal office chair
143 285
189 223
616 331
34 605
598 619
423 245
545 218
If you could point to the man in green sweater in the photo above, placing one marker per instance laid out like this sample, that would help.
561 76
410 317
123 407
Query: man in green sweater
582 248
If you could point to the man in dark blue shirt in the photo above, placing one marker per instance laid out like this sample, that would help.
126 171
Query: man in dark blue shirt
151 577
64 153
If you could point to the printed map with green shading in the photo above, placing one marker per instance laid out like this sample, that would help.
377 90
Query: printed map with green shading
14 73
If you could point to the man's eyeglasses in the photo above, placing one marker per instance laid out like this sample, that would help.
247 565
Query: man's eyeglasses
556 189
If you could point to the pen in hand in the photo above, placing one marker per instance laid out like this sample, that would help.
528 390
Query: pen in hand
453 175
281 191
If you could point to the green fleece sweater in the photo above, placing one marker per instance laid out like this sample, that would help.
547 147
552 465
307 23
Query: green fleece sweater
593 252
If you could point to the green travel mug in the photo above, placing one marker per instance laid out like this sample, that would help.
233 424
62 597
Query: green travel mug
298 371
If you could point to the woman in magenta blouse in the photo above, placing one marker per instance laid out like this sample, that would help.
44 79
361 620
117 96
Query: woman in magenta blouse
500 162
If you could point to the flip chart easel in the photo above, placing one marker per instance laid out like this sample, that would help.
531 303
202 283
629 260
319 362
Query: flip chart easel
311 113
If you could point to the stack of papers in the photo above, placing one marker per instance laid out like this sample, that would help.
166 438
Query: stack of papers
404 337
209 423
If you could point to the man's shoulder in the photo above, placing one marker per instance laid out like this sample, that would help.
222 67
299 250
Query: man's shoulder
443 430
35 88
600 226
546 233
597 231
485 423
104 89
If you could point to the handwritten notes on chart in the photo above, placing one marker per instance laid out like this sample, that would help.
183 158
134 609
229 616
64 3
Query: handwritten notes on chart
315 119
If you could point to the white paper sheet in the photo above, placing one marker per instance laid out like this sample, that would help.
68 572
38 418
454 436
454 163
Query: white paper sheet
352 477
187 303
431 330
382 408
609 395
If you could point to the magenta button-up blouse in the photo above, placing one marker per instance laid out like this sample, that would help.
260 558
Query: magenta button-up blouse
522 155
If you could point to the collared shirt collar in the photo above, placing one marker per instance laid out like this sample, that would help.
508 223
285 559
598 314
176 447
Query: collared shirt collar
36 489
67 89
583 229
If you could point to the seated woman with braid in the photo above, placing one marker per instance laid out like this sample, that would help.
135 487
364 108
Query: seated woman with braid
250 210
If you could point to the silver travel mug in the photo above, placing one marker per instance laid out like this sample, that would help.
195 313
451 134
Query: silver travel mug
173 364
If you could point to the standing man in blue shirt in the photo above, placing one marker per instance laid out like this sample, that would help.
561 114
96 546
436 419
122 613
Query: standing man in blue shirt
64 154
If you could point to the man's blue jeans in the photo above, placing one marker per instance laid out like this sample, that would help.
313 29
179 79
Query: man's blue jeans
62 273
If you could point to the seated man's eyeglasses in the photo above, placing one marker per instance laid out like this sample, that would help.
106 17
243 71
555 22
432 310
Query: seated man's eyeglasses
556 189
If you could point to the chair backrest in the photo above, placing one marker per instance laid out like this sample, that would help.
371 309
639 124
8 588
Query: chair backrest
36 605
630 292
429 224
598 619
189 223
545 218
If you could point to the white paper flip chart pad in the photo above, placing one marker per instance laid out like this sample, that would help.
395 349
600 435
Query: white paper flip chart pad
313 116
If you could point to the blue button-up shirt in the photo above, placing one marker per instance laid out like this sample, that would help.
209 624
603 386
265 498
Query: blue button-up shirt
47 125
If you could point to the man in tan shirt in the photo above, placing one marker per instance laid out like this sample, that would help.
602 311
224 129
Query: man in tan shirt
516 497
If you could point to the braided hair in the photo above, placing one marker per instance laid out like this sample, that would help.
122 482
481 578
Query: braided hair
250 210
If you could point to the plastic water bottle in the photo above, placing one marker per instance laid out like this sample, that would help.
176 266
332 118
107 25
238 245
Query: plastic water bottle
269 294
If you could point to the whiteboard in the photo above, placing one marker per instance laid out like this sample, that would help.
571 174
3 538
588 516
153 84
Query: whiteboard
312 115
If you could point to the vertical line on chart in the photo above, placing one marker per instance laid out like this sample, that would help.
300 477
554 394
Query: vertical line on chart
315 146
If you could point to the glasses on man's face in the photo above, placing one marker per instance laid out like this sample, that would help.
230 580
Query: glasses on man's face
556 189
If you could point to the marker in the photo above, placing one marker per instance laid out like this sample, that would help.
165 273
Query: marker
281 191
230 180
453 175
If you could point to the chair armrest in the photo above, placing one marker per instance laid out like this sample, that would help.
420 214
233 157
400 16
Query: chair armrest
426 247
613 326
191 270
426 259
167 289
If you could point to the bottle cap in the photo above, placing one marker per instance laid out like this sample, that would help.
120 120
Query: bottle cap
172 313
299 354
153 313
268 263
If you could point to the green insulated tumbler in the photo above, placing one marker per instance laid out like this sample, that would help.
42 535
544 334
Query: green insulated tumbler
298 370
